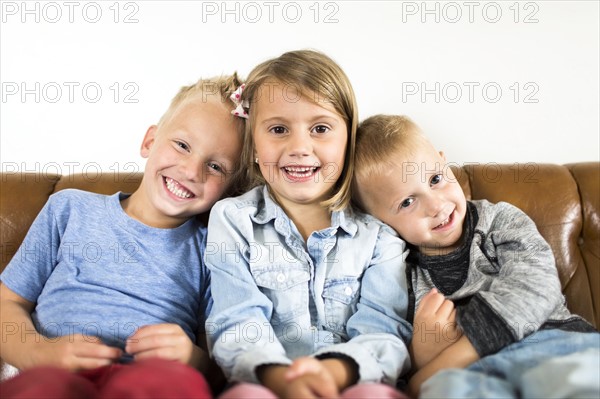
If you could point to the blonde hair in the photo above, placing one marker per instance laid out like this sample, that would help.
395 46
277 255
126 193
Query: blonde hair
315 76
219 89
380 140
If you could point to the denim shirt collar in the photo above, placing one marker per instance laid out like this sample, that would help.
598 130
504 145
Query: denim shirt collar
268 209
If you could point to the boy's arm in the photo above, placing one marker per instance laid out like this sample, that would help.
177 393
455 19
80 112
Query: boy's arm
458 355
434 329
525 289
23 347
18 331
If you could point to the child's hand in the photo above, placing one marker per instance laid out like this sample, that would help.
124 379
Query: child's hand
167 341
457 355
31 349
303 365
312 385
307 377
74 352
434 328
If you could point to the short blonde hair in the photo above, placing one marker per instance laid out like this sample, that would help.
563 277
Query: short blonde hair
380 139
219 89
315 76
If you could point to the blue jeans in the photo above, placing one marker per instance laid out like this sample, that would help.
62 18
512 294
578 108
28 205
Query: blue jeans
546 364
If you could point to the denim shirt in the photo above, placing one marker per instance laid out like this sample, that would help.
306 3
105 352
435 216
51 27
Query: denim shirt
277 297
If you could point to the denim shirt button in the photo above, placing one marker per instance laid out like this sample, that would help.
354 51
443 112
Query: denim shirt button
281 277
348 291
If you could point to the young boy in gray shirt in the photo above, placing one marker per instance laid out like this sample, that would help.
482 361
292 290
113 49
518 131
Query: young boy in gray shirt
481 276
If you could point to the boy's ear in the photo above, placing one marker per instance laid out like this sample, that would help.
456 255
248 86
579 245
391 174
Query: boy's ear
148 141
443 155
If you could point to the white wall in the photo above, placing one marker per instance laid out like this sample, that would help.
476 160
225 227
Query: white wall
543 56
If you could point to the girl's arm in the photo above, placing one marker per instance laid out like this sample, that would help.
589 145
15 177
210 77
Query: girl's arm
239 331
379 334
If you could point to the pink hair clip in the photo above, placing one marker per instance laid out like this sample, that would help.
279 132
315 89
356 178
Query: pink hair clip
239 104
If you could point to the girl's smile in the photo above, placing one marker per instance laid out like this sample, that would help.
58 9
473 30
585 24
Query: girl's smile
300 174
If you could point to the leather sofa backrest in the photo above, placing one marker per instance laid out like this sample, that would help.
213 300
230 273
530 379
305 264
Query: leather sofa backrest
563 200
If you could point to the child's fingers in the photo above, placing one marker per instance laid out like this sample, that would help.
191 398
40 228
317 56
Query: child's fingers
432 293
96 350
313 386
156 336
156 329
303 366
323 385
89 346
446 308
149 342
167 353
452 316
88 355
431 302
86 363
298 389
175 346
173 350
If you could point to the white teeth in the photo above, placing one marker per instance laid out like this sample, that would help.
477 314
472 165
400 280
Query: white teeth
445 222
300 171
176 189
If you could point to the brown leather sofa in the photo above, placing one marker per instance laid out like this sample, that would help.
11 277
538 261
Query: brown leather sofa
563 200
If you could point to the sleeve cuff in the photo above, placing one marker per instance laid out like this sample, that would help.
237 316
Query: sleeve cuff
369 369
245 368
486 330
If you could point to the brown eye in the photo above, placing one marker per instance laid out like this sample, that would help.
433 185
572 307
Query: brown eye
321 129
278 130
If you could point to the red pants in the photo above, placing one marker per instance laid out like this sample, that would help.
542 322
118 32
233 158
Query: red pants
155 378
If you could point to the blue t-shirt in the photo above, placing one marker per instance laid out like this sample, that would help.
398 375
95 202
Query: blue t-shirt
92 269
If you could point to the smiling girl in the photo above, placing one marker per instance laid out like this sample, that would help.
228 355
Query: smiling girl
309 295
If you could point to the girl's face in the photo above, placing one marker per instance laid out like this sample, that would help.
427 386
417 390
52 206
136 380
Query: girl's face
190 160
300 144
